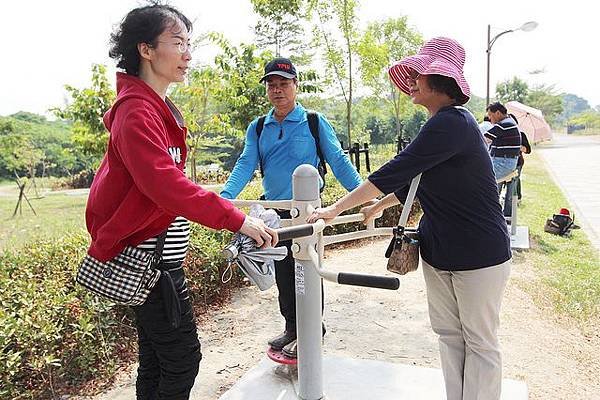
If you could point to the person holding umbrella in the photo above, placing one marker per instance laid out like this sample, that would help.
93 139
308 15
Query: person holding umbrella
465 247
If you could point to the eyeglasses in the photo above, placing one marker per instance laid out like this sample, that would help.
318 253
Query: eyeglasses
182 46
281 85
413 76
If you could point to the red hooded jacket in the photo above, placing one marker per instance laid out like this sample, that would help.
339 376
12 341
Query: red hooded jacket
140 186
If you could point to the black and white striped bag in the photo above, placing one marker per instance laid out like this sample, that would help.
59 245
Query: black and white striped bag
126 279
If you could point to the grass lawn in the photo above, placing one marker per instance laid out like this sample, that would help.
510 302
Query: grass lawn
56 213
570 266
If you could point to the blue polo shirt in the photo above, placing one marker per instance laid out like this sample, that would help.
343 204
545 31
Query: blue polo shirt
462 227
283 147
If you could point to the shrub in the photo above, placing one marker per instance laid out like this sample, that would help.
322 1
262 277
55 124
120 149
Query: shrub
54 335
80 180
51 331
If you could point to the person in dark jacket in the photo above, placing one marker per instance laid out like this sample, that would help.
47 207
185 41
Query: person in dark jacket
464 242
141 191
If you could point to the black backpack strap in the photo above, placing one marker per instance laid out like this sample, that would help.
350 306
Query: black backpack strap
260 124
313 125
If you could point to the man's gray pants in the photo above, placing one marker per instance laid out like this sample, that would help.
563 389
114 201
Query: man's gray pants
464 308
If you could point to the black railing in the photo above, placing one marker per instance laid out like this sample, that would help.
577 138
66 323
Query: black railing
355 151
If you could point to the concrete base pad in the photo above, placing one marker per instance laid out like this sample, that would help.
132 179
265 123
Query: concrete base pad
520 240
352 379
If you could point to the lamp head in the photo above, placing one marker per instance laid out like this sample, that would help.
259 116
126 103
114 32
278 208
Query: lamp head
528 26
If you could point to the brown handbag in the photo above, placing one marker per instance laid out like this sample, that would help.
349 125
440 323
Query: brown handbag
403 250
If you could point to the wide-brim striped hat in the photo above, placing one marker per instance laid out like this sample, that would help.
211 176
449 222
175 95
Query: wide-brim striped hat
439 56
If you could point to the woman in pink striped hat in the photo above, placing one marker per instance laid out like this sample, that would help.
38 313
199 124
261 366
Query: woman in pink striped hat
464 242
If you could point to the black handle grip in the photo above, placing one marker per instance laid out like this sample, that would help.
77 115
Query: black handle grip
380 282
294 232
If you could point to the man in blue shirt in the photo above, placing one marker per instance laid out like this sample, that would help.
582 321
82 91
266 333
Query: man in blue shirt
284 143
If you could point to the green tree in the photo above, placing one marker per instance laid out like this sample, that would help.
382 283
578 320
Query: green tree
279 26
239 70
572 105
280 29
477 106
52 138
590 119
338 57
381 44
86 110
512 90
29 117
544 98
414 122
210 134
19 154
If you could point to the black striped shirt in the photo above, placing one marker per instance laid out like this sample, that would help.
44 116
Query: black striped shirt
506 139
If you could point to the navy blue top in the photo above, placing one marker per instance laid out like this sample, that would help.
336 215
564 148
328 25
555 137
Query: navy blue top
462 227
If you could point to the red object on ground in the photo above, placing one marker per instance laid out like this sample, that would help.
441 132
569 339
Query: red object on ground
278 357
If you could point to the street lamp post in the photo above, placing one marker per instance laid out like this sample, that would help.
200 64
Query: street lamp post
526 27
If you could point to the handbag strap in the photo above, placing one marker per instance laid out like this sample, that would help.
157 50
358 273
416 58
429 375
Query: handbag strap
412 191
160 244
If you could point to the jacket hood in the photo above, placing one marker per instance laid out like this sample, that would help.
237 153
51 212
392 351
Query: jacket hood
132 87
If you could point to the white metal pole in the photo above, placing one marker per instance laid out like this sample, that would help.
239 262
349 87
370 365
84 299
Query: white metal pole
305 184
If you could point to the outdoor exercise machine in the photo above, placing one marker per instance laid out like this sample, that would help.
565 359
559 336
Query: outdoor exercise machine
348 379
307 251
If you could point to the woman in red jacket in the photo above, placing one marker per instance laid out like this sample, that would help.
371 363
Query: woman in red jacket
141 191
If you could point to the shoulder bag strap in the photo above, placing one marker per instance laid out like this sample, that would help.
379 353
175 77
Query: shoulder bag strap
160 244
412 191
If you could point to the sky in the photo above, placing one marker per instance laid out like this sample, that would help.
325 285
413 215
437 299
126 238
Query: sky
47 44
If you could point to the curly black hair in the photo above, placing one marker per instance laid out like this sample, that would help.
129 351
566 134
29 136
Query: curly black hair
448 86
142 25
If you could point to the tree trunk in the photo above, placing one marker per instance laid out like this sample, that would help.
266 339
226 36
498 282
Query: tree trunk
349 49
396 102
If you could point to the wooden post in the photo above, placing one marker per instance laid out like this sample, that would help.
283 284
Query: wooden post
356 150
22 195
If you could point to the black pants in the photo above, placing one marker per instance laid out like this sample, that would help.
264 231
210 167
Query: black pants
169 358
286 284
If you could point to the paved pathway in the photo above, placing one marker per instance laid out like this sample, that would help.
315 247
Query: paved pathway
574 162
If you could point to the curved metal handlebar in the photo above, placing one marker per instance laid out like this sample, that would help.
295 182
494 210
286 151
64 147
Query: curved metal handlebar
346 278
299 231
374 281
304 230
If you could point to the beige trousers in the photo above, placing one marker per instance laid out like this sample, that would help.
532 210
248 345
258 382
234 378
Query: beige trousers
464 308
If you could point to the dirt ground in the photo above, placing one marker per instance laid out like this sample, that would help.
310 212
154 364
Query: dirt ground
552 356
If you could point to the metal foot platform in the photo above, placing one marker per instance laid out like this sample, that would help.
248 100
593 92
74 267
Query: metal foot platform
353 379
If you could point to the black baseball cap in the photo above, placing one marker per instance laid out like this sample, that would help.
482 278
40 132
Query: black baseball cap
280 66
